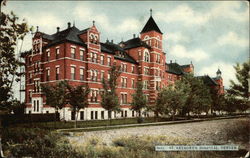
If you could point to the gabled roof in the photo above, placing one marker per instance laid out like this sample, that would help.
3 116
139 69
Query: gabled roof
111 48
185 66
134 43
151 26
174 68
70 34
207 80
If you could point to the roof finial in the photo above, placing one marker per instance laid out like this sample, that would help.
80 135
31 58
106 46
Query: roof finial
151 12
37 28
93 22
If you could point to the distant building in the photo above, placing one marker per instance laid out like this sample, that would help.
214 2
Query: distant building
79 57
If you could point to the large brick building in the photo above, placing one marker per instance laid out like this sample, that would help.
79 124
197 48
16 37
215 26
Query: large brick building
79 57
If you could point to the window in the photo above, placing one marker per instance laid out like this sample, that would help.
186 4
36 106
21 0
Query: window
124 82
102 59
126 113
102 76
81 115
158 58
133 83
109 61
102 114
92 115
72 115
73 53
108 75
146 56
30 95
133 113
48 55
123 98
57 73
146 70
37 105
121 113
95 58
57 53
96 115
48 74
81 54
36 86
34 103
93 96
30 77
93 74
145 86
73 73
81 74
125 68
133 69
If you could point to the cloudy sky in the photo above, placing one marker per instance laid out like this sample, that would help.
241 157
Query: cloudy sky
210 34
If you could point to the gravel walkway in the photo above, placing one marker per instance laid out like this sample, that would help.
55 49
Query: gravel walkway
207 132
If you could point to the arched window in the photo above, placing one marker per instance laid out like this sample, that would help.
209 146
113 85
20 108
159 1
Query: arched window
146 56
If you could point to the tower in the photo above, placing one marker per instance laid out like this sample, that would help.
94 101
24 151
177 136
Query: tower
218 73
154 57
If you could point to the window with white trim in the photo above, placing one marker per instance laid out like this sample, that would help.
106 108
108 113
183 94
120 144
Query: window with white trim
146 56
47 74
73 73
57 73
81 74
102 59
57 53
73 52
81 54
109 61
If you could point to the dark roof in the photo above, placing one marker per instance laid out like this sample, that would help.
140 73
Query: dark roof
174 68
112 48
70 34
151 26
207 80
218 71
134 43
185 66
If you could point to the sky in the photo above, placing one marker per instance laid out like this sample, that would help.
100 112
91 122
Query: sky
211 34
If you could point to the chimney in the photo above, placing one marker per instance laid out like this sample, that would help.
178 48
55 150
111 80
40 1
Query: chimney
107 41
112 41
170 61
58 29
69 24
134 35
37 28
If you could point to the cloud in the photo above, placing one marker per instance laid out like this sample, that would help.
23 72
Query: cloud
231 38
183 13
231 10
228 72
181 52
177 37
189 16
46 22
88 14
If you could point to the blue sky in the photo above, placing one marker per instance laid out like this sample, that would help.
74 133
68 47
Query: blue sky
210 34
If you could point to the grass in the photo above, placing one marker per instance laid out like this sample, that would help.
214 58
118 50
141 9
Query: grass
142 147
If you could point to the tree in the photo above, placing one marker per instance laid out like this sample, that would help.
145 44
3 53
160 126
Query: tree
198 96
110 100
139 100
12 30
78 99
171 99
240 90
56 95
